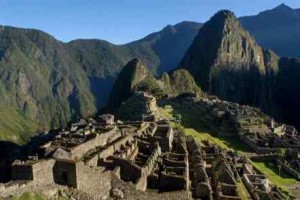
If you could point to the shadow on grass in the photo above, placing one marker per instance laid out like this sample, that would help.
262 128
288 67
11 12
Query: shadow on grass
191 119
272 166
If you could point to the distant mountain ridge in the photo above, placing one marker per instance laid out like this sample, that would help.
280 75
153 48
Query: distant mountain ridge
46 80
277 29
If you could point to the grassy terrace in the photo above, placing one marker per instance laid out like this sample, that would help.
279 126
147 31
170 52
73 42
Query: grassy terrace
271 170
193 127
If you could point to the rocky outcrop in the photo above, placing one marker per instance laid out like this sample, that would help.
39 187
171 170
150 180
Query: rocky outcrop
137 106
178 82
135 77
128 82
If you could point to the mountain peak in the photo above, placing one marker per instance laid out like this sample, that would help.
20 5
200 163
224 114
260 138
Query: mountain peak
282 7
224 14
135 61
224 20
130 76
221 45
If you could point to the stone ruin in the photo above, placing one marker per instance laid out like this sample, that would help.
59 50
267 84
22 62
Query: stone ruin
101 157
90 154
140 106
254 128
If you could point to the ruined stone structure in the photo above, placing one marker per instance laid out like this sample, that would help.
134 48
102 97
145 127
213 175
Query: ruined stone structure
90 153
254 128
101 157
259 186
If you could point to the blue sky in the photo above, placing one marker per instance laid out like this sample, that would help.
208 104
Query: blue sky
119 21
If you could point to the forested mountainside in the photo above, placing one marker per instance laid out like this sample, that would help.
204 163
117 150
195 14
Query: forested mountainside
50 82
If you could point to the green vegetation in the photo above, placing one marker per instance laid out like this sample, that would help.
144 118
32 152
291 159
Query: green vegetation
193 127
242 191
150 85
191 121
271 170
178 82
14 126
281 180
30 196
52 82
199 136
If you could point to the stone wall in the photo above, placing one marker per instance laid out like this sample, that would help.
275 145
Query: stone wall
148 167
43 172
289 170
203 191
142 183
172 182
93 182
129 170
164 135
99 140
259 150
93 161
110 149
228 191
263 157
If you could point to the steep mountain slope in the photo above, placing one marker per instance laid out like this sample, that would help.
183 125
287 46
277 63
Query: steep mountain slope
40 78
169 44
230 64
277 29
14 126
226 61
128 81
287 91
51 83
161 51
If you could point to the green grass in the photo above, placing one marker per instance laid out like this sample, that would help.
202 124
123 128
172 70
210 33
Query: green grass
242 191
14 126
194 126
29 196
199 136
270 169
